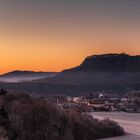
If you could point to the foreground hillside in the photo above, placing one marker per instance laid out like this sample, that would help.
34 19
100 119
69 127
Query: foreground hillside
27 118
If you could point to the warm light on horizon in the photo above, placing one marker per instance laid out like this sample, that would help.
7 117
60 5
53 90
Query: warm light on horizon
52 37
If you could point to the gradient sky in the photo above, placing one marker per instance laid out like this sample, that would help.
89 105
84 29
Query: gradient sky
51 35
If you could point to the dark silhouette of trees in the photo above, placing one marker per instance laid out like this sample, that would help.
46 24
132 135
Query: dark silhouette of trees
28 118
3 92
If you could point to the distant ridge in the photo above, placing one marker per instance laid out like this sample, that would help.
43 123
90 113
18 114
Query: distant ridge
101 69
23 73
109 62
110 73
24 76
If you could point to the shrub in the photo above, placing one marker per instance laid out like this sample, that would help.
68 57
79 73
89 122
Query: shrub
107 128
31 118
88 128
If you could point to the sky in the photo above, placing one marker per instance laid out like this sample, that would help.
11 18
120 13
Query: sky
52 35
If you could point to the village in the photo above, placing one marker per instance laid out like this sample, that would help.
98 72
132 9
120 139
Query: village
100 102
93 102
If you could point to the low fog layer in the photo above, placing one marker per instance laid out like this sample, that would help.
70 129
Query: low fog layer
24 76
21 79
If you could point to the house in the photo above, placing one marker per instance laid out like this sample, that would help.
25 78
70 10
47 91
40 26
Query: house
76 99
124 99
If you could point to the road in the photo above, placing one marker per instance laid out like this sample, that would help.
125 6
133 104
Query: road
129 121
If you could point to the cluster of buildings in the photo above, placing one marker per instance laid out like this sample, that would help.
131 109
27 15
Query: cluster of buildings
97 102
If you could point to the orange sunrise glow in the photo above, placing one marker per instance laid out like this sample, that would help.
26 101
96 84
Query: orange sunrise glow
51 37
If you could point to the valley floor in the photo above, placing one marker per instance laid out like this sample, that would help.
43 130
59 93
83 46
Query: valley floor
129 121
127 137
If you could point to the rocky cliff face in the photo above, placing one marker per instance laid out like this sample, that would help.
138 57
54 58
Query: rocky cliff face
109 63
